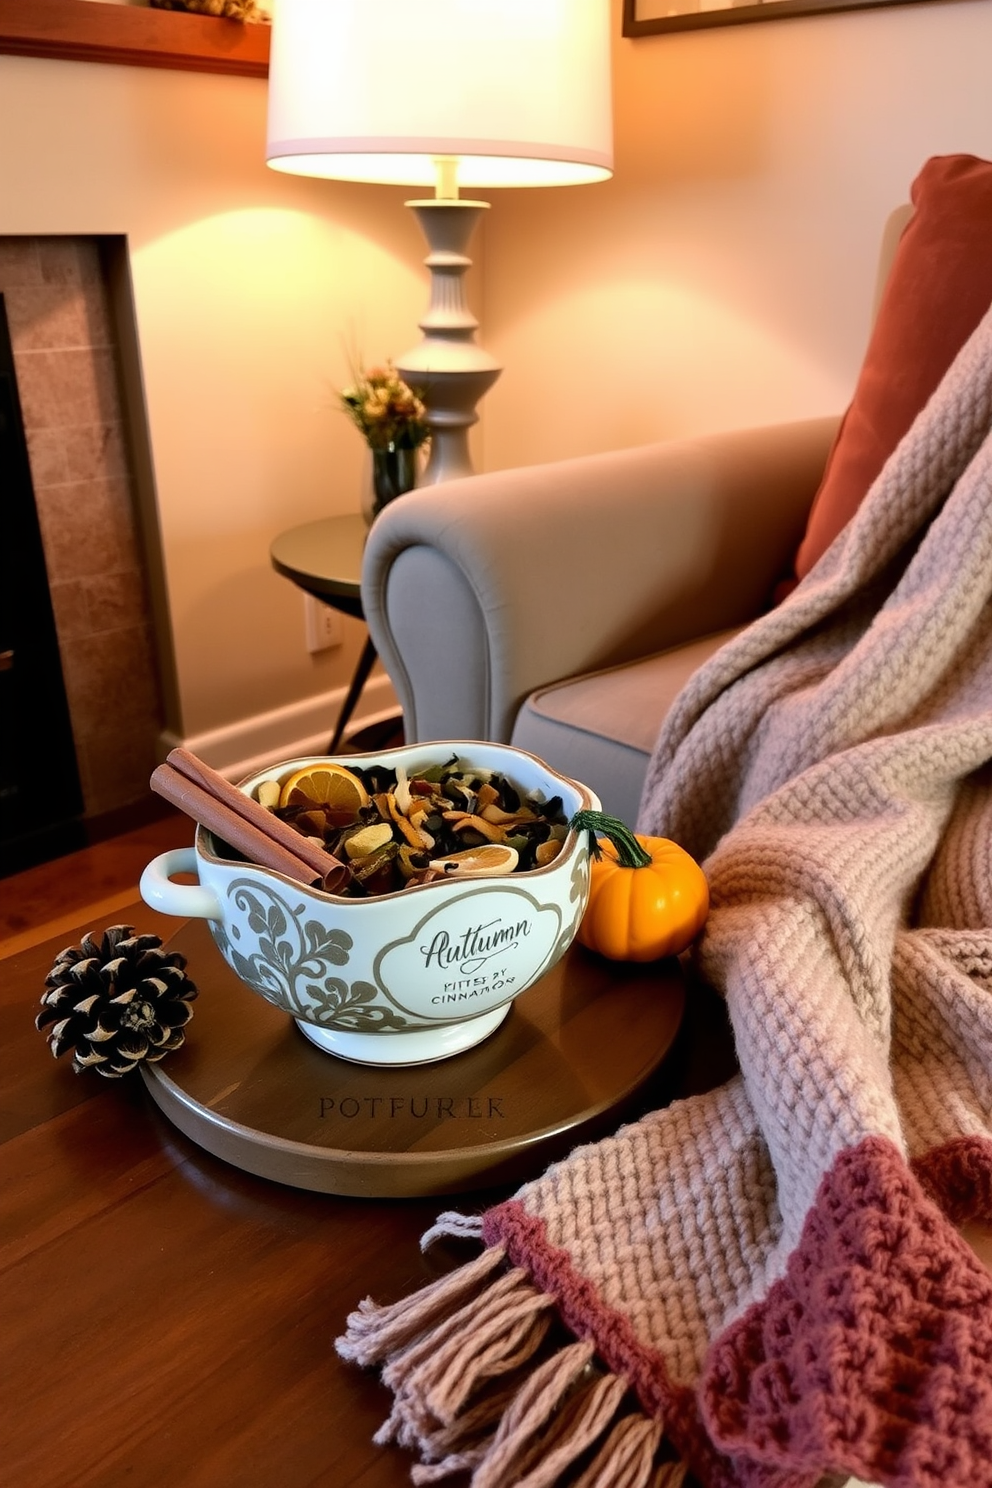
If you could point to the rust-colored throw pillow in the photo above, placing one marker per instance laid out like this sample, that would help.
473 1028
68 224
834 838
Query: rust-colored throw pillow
939 288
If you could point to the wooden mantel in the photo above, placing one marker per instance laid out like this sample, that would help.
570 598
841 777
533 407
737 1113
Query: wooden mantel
86 31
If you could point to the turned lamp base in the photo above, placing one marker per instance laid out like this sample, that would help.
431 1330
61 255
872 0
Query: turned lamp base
449 371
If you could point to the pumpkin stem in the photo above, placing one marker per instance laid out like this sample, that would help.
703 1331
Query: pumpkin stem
630 853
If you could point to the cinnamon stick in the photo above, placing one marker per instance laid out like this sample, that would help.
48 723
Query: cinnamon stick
203 794
247 807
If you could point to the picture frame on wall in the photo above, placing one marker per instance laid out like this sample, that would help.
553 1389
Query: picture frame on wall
648 17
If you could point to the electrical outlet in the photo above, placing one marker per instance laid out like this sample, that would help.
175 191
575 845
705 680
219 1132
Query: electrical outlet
324 626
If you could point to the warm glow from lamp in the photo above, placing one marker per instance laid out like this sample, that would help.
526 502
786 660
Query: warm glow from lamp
443 93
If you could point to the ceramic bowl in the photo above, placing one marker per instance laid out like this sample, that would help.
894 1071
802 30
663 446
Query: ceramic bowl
403 978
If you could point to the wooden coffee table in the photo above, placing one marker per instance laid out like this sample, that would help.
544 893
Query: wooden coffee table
169 1317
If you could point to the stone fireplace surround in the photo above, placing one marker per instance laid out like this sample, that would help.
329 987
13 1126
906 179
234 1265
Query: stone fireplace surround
67 358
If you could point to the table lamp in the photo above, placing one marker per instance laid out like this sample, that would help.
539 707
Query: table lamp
449 93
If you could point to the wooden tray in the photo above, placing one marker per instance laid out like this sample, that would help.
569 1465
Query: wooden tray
568 1063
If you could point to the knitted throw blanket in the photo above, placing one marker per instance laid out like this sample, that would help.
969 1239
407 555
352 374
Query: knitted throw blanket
765 1285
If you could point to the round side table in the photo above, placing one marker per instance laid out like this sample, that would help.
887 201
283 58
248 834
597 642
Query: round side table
324 558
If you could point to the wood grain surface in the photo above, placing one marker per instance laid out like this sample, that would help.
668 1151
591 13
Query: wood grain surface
169 1318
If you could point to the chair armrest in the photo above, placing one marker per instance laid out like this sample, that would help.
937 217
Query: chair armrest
476 591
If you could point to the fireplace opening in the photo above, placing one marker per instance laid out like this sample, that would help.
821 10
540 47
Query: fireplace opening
74 344
41 799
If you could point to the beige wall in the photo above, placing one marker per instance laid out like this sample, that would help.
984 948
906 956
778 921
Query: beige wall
724 276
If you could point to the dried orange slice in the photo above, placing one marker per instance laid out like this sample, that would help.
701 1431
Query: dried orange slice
483 862
327 784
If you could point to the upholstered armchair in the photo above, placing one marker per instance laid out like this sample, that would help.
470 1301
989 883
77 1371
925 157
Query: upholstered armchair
619 572
561 607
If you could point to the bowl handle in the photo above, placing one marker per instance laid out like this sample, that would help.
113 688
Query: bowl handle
188 900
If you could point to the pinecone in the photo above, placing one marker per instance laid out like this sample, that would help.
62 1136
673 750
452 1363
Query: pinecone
116 1002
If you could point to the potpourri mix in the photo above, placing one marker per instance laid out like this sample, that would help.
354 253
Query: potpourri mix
399 829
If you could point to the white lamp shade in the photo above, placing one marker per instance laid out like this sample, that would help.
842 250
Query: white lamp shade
377 90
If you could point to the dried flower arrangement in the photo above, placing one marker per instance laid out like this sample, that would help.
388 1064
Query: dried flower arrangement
388 413
227 10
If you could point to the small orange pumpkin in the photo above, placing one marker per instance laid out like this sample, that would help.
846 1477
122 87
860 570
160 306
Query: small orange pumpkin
648 898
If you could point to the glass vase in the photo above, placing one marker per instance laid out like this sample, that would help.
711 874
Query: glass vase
394 470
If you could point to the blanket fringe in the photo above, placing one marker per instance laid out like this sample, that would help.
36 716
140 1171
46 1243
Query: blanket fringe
478 1388
488 1337
626 1458
520 1435
452 1226
374 1331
